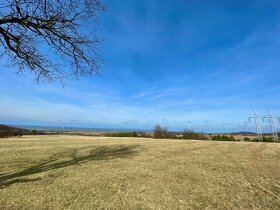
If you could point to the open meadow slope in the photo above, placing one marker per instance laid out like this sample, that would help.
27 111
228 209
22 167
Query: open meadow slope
75 172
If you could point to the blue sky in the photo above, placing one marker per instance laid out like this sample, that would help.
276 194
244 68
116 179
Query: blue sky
204 65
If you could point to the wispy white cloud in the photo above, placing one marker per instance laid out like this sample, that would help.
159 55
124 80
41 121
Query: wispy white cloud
158 94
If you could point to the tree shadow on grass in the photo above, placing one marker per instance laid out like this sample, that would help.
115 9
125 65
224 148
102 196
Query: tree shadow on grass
56 162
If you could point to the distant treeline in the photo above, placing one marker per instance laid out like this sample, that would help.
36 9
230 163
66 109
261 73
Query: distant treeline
223 137
10 131
129 134
161 132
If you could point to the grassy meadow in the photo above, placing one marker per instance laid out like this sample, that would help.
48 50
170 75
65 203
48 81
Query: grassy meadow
80 172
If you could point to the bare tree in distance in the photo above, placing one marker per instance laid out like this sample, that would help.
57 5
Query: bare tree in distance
45 37
160 132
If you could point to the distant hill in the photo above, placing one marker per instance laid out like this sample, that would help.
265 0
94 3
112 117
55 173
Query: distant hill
244 133
8 131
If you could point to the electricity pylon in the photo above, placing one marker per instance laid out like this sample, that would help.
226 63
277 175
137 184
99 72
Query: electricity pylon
257 124
272 126
270 119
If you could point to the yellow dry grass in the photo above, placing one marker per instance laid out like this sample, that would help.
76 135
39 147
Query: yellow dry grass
75 172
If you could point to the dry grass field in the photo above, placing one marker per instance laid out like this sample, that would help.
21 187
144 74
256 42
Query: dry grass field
75 172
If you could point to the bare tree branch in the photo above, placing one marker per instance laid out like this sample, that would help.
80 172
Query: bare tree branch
34 33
